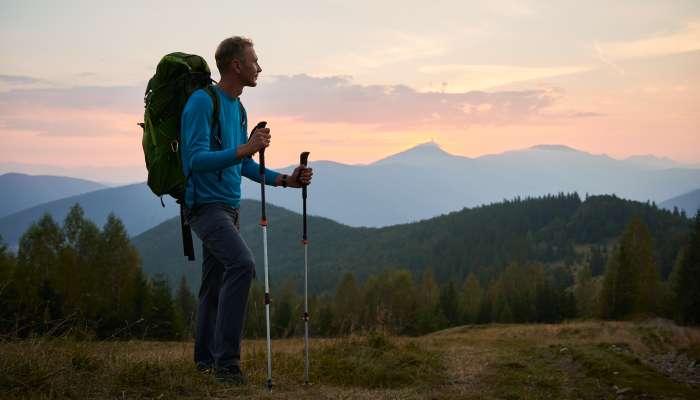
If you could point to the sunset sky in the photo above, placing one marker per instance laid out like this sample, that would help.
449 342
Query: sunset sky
353 81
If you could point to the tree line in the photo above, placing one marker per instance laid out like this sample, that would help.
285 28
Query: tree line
86 281
83 280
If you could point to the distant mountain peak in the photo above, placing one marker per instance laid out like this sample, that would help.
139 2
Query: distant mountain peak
417 153
554 147
429 144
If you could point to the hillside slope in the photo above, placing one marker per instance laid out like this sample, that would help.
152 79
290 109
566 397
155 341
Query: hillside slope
21 191
481 240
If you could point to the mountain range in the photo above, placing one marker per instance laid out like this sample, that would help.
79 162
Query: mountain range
419 183
22 191
426 181
135 205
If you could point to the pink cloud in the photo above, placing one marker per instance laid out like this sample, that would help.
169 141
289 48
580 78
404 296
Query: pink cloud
392 107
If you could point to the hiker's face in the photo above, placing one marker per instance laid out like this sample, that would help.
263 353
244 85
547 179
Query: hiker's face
248 68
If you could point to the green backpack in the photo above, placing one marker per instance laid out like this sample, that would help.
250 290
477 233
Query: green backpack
177 76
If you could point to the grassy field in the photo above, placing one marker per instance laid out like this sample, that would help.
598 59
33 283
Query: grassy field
583 360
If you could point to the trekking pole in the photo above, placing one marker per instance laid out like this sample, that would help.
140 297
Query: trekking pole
303 160
263 224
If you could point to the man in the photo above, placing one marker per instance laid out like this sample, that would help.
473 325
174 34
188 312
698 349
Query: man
212 198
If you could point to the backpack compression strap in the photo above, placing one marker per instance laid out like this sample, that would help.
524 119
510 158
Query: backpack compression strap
215 140
187 243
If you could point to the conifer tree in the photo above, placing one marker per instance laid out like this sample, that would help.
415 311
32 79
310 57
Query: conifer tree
686 282
161 316
8 289
119 267
472 299
283 321
585 293
347 304
38 257
449 304
186 307
631 279
255 312
427 317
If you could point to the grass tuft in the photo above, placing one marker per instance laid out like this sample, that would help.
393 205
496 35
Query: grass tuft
375 362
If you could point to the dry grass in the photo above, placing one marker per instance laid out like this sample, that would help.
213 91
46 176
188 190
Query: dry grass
572 360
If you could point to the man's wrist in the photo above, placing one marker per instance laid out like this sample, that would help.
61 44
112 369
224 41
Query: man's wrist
244 151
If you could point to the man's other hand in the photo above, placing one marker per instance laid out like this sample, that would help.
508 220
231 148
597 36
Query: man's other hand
300 177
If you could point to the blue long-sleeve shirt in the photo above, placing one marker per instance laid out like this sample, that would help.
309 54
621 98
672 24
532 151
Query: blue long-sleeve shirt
203 185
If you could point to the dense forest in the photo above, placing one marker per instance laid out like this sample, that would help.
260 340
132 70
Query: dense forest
82 280
534 260
556 230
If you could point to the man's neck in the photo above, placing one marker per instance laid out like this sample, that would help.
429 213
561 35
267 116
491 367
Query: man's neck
230 87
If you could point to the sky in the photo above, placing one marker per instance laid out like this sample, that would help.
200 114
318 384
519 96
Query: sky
354 81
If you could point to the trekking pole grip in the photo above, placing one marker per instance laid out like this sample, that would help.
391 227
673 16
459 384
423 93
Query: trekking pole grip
304 160
261 125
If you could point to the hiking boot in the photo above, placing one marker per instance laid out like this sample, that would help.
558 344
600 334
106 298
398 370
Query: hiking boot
231 375
203 368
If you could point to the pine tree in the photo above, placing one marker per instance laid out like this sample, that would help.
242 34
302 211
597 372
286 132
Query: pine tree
79 278
161 316
255 312
686 282
427 318
390 302
326 321
472 299
283 321
449 304
8 290
546 303
347 304
118 268
38 258
631 280
585 293
597 260
186 307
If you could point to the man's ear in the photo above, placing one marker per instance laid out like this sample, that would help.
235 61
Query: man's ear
236 65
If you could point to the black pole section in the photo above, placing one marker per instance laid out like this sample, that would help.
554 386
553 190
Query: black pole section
263 219
303 160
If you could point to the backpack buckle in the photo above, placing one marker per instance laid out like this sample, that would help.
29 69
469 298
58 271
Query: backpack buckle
147 97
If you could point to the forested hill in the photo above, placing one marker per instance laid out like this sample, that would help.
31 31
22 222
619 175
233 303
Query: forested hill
550 229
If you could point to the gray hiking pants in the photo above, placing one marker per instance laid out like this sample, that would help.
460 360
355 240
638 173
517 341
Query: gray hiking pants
227 271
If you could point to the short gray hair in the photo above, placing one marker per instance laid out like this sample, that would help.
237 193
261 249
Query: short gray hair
229 49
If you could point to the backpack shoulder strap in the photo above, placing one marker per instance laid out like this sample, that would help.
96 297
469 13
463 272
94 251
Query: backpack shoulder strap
215 123
244 116
216 141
